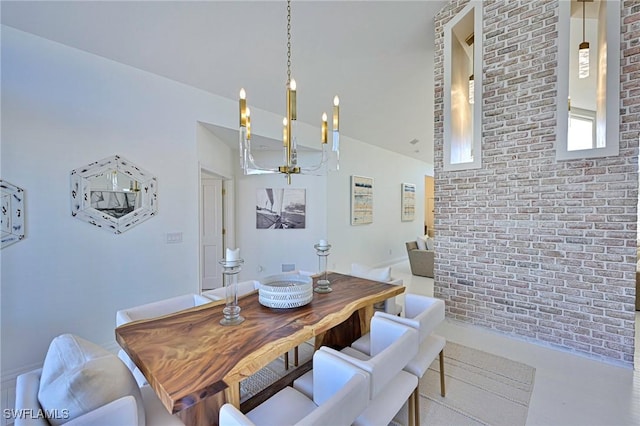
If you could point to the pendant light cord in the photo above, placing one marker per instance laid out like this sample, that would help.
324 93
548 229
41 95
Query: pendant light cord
288 41
583 20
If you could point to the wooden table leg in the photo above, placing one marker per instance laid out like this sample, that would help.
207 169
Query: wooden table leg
232 395
204 413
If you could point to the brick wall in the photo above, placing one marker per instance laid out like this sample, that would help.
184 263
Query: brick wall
529 246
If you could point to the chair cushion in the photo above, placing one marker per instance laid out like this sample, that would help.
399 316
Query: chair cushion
422 242
287 407
81 376
430 243
428 351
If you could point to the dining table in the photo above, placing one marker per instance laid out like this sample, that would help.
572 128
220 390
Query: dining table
195 364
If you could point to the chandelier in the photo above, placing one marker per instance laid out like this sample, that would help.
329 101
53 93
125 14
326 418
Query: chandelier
289 137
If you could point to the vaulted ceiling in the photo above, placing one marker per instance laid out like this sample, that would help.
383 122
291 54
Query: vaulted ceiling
377 55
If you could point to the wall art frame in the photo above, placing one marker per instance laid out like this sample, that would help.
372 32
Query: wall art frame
12 214
408 202
361 200
113 194
281 208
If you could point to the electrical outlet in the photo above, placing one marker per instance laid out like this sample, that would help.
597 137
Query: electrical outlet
174 237
288 267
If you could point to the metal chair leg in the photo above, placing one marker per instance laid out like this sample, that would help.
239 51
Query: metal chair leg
416 410
412 408
442 390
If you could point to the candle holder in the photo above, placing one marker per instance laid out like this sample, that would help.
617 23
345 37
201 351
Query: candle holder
323 283
231 311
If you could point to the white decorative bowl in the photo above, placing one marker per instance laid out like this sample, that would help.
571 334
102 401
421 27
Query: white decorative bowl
285 291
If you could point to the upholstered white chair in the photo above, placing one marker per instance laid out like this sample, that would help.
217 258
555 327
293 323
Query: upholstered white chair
82 384
244 287
379 274
422 313
340 393
154 310
393 345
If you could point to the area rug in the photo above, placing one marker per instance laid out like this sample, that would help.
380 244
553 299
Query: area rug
481 389
273 371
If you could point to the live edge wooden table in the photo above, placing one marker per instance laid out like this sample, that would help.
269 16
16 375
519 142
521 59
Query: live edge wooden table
195 364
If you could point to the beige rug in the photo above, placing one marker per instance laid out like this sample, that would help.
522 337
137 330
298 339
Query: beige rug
481 389
272 372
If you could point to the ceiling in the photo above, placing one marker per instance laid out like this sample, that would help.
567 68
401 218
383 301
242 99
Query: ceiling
377 55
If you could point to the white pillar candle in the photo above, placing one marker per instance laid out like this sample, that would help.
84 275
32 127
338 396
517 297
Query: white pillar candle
232 255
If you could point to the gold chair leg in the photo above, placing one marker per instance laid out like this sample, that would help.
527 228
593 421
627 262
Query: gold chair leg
412 408
442 390
416 410
295 356
286 360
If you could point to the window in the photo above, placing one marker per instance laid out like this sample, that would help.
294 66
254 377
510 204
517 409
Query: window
582 129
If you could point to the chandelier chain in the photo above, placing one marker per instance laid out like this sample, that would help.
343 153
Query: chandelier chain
288 41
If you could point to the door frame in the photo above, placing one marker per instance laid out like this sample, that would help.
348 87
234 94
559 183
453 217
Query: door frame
228 213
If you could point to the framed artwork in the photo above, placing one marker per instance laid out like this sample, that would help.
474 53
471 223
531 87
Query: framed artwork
11 213
361 200
408 203
280 208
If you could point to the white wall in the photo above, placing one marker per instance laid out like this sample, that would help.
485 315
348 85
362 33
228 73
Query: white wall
382 242
63 108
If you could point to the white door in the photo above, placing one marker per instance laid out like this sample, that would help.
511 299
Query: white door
211 230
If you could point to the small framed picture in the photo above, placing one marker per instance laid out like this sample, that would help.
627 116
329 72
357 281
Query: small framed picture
361 200
408 202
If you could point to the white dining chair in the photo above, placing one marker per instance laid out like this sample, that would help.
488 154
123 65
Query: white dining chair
393 345
154 310
422 313
244 287
340 393
82 384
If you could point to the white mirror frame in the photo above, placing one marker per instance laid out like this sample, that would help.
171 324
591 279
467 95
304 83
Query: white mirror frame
81 194
11 214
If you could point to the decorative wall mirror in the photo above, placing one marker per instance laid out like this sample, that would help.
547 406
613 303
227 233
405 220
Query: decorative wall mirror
589 79
463 89
12 213
113 193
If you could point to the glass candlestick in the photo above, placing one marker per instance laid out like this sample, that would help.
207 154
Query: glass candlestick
231 311
322 250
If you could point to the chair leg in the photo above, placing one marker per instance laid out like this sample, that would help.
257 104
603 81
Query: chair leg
416 410
286 360
411 409
442 390
295 356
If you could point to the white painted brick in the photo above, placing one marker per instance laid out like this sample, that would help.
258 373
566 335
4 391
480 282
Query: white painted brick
528 245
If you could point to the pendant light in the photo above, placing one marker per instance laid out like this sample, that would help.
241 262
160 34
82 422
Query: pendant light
583 49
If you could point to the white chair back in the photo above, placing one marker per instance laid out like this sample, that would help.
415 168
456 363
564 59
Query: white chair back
421 312
160 308
244 287
393 345
340 395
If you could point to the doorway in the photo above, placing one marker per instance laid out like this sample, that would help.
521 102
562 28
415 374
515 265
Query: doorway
212 229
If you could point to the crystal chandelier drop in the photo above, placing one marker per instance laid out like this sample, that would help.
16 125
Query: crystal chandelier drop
289 137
